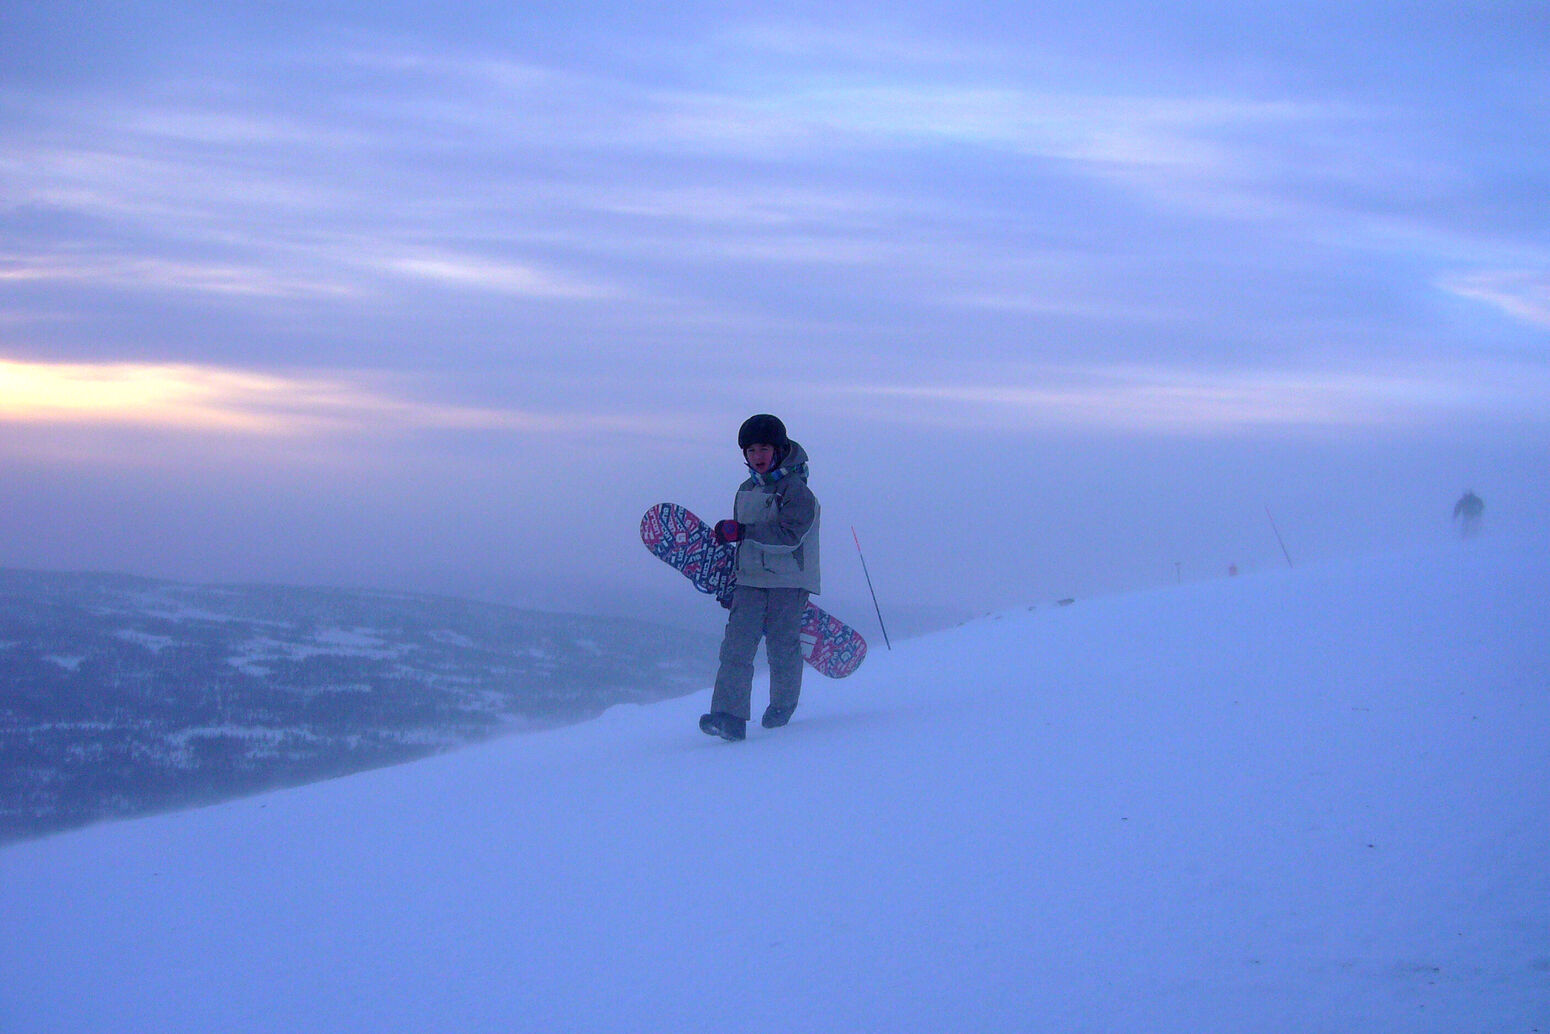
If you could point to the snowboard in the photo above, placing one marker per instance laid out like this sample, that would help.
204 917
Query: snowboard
681 540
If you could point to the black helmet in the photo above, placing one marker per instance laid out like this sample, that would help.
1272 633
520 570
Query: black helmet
763 430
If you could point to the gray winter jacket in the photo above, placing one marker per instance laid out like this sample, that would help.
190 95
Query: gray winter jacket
780 538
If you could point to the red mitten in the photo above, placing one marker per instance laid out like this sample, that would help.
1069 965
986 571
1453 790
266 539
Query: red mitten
728 532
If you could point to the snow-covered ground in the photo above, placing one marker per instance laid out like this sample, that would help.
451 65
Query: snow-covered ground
1303 801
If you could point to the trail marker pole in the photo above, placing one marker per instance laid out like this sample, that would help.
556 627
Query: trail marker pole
870 589
1278 538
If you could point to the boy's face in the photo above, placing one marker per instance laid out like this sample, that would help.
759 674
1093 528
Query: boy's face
760 457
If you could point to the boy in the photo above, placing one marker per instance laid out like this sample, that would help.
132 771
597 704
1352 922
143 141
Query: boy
775 526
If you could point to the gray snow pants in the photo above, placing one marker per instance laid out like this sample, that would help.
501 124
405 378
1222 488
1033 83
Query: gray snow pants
776 616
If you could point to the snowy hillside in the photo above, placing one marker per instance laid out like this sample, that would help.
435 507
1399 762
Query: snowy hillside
1308 801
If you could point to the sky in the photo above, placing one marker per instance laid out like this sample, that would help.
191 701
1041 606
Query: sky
1060 302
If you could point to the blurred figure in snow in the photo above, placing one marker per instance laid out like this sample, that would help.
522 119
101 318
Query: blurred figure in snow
1466 512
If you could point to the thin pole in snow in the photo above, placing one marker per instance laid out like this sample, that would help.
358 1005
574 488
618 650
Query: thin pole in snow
1278 537
869 587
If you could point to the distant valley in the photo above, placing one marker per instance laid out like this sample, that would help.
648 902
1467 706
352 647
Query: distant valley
122 696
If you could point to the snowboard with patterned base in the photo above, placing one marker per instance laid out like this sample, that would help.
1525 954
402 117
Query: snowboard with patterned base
680 539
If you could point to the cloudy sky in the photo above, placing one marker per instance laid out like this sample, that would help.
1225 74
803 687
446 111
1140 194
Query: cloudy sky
1061 301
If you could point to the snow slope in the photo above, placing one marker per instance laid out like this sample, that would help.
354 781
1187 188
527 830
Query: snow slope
1296 802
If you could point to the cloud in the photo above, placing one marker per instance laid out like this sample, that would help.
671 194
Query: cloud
777 183
473 273
406 150
831 44
197 398
464 71
1135 398
154 274
749 204
1521 294
106 164
1155 131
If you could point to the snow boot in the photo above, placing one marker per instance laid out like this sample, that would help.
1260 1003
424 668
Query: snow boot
775 717
727 726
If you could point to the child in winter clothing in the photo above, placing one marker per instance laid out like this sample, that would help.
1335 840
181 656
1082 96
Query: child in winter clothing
775 527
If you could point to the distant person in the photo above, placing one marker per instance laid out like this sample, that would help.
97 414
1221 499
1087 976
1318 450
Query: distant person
1466 512
775 527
